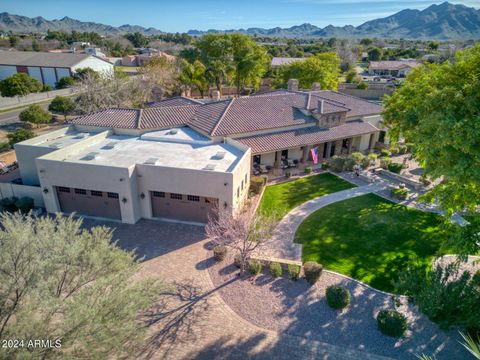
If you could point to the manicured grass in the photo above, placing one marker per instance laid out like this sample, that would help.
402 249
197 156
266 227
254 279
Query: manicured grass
280 199
370 239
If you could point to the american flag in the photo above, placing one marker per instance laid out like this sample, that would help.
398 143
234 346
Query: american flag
314 154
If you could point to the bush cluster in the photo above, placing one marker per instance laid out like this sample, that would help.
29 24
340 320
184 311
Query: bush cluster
395 167
257 183
293 271
12 204
308 169
313 271
220 252
400 194
337 163
385 153
385 162
391 323
337 297
275 269
255 267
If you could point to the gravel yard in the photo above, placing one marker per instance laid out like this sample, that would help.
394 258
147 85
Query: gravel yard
297 309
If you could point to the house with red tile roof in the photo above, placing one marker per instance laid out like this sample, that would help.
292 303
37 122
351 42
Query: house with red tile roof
179 158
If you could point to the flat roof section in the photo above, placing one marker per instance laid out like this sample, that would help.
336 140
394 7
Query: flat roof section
58 141
185 149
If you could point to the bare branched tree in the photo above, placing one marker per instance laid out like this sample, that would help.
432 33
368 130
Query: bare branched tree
245 232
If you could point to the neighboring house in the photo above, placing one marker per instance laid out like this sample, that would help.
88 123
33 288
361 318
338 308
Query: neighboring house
178 158
142 59
280 61
398 68
48 67
95 51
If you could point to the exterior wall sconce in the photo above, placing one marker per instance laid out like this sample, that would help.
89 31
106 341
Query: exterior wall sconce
122 179
124 200
142 196
225 184
225 205
45 191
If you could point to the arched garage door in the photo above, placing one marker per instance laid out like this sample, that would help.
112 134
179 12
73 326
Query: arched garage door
181 206
89 202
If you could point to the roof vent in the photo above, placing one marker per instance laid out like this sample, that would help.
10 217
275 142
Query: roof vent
151 161
90 156
55 145
110 145
209 167
220 155
173 131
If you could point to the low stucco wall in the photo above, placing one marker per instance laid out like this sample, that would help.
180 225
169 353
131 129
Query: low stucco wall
9 189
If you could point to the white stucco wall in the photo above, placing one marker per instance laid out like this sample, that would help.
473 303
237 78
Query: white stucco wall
101 66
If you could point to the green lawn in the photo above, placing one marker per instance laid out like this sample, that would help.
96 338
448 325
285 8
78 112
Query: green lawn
280 199
369 238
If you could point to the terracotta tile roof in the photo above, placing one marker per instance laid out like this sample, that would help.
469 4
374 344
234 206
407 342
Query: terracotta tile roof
165 116
305 136
175 101
115 117
207 116
357 107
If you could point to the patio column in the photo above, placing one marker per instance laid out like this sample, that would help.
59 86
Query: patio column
371 142
329 148
306 150
277 168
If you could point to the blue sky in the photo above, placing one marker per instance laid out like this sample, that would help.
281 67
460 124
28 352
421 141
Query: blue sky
183 15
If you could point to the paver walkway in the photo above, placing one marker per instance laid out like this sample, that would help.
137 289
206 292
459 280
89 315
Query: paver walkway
281 244
192 321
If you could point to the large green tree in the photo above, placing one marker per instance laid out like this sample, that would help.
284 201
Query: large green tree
70 285
437 108
62 105
194 76
19 84
323 68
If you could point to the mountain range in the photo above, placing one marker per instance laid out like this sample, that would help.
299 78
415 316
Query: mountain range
445 21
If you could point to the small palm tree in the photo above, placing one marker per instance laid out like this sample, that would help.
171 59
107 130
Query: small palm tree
472 346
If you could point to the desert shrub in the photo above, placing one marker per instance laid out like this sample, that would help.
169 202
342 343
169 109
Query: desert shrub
325 165
349 164
313 271
19 135
237 260
220 252
385 153
4 146
372 156
400 194
275 269
362 85
366 162
446 295
24 204
288 174
254 267
395 167
385 162
293 271
308 169
391 323
256 184
337 297
357 157
337 163
402 149
65 82
19 84
8 204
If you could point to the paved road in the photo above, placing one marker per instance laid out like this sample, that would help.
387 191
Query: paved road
11 117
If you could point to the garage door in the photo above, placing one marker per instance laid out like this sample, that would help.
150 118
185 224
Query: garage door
89 202
181 206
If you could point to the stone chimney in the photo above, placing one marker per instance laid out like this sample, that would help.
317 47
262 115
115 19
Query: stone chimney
316 86
216 95
293 85
320 106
